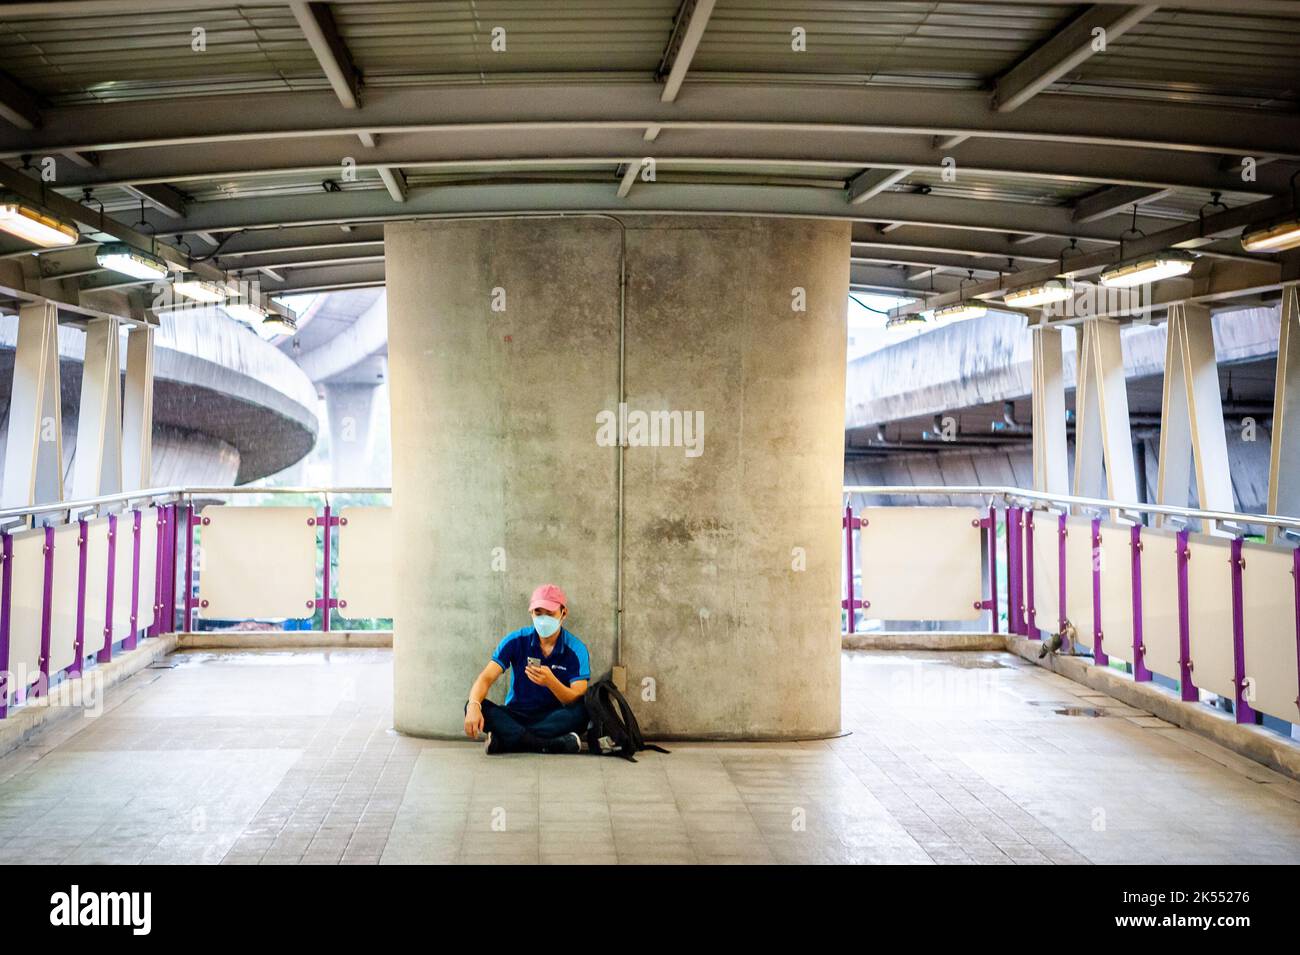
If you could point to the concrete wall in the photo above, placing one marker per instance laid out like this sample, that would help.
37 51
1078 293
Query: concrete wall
731 555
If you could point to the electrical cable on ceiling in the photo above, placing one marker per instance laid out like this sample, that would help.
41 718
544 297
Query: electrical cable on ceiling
866 306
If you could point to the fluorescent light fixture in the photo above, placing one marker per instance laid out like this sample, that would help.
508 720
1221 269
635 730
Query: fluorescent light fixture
1276 237
1152 268
128 261
1053 290
911 318
37 227
246 312
960 311
194 288
279 324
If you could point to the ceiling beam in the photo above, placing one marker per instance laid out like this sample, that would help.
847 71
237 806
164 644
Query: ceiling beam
688 29
328 278
394 181
833 154
1064 51
974 245
85 160
1113 199
307 239
630 172
166 199
927 264
361 252
872 182
316 21
732 109
17 106
373 205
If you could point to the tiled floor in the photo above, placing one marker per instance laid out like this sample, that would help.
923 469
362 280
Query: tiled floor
245 757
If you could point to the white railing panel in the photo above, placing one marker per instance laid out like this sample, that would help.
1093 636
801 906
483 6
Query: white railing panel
1047 571
257 562
1209 613
1160 602
365 569
63 603
123 567
1269 627
1078 577
96 584
27 587
148 567
1116 591
921 563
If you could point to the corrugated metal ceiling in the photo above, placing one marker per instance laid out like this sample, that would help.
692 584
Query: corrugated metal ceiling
251 48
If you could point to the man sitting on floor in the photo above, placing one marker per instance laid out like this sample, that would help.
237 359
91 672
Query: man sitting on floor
549 669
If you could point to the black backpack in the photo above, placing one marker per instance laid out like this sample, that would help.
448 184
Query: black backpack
613 730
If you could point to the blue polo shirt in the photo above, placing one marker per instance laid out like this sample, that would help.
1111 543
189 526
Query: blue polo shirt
568 661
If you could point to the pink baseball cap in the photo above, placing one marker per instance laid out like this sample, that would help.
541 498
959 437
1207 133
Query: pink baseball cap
548 597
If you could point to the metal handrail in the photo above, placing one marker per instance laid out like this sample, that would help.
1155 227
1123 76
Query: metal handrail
1015 494
1006 493
180 492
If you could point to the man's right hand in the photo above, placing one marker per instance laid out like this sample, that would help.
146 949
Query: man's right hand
473 720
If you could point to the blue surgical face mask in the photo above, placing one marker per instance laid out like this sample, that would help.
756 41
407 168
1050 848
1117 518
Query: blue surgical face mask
546 626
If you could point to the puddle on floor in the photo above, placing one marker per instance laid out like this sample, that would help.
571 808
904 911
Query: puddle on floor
976 663
1063 708
273 657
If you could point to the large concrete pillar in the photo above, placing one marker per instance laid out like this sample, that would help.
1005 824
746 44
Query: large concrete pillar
505 377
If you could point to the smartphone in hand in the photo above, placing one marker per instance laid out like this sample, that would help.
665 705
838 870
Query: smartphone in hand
534 661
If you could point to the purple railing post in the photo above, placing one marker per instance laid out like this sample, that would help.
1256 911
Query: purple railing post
1140 671
47 611
1295 585
169 558
1098 654
106 654
328 526
79 646
1061 532
190 521
6 588
159 533
1031 614
1015 573
850 604
993 566
1189 693
129 643
1241 706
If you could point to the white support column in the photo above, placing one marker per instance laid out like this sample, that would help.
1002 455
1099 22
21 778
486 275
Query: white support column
1191 418
137 410
1103 439
351 410
98 465
1051 454
33 468
1284 454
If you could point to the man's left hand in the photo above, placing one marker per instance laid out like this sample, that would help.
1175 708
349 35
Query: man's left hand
542 676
